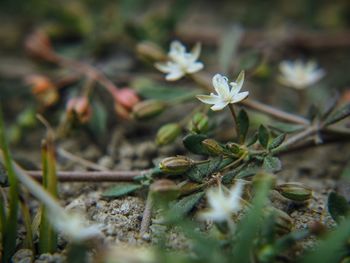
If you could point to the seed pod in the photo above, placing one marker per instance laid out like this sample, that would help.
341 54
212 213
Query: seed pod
175 165
234 148
213 147
199 123
148 109
168 133
165 189
284 223
295 191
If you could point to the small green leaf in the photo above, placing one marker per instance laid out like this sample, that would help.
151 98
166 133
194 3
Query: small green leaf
286 127
329 106
121 189
253 139
183 206
193 143
263 136
338 207
243 124
98 122
276 141
338 115
272 164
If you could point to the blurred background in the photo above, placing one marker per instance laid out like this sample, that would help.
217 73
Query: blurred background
253 35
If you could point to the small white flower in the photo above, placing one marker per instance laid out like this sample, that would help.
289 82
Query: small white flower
180 62
222 205
225 94
73 226
300 75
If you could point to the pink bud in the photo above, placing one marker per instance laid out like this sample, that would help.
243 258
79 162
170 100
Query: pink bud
81 107
126 97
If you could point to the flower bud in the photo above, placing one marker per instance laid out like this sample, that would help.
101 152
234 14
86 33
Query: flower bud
234 148
126 97
150 51
199 123
295 191
165 189
43 89
175 165
39 46
213 147
79 106
168 133
148 109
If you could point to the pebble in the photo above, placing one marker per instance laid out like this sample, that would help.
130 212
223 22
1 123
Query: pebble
23 256
106 161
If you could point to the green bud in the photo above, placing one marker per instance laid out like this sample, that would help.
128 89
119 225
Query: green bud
175 165
168 133
213 147
164 189
234 148
295 191
148 109
199 123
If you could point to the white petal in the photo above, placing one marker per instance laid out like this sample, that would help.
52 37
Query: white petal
221 86
316 75
194 67
164 67
219 106
176 46
196 51
287 68
174 74
240 96
209 99
235 195
239 81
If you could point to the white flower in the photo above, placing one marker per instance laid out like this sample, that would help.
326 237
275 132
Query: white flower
298 74
225 94
180 62
73 226
222 205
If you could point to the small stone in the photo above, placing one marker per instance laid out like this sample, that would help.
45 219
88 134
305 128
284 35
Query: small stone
106 161
23 256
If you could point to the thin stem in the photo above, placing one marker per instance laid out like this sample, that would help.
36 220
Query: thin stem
146 217
88 176
233 113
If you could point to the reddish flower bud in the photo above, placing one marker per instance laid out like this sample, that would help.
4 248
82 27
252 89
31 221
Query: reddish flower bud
43 89
38 45
126 97
81 107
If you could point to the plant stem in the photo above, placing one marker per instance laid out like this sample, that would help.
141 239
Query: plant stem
91 176
233 113
146 217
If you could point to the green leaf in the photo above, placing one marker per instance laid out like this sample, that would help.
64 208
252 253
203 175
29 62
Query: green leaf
253 139
243 124
276 141
151 90
263 136
338 115
272 164
183 206
121 189
249 227
193 143
329 106
286 127
338 207
98 122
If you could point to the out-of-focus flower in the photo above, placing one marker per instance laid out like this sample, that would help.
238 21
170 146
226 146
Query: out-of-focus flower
43 89
223 205
38 45
125 99
73 226
225 95
180 62
81 107
299 74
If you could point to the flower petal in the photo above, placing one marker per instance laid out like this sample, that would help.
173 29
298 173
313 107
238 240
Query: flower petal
174 74
239 81
240 96
196 51
209 99
164 67
221 86
219 105
194 67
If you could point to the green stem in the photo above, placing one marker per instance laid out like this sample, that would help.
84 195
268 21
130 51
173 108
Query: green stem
233 113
